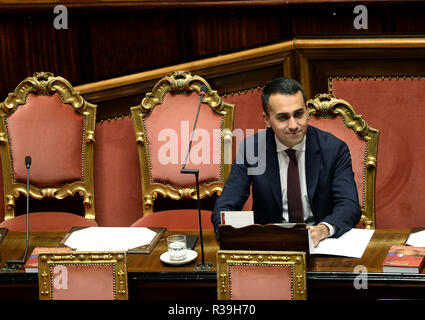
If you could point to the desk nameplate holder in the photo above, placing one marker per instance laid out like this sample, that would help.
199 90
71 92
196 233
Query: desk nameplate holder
269 237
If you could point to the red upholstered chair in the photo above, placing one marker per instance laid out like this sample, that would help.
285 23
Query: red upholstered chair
83 276
117 173
46 119
248 120
338 117
248 117
395 105
261 275
163 124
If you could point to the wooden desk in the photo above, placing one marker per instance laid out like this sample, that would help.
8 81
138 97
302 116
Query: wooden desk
329 277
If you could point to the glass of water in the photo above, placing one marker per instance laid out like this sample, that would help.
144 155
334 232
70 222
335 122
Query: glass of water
177 247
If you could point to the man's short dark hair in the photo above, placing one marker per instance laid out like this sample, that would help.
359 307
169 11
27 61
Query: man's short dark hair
280 86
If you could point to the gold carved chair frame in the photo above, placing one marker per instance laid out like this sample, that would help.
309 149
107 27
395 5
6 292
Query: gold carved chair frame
180 82
293 259
328 106
45 83
47 261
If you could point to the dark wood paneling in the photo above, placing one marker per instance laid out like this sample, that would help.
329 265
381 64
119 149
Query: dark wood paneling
129 42
106 40
219 31
229 74
324 63
29 43
337 20
103 43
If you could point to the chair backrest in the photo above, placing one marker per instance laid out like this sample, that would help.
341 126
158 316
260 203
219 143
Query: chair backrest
395 105
338 117
261 275
117 174
82 275
248 118
48 120
163 124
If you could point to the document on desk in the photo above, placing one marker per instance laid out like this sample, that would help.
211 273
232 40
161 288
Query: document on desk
416 239
109 238
351 244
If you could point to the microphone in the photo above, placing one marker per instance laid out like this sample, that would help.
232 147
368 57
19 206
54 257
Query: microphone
14 262
202 93
27 162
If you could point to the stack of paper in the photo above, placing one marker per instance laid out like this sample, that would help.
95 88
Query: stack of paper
109 239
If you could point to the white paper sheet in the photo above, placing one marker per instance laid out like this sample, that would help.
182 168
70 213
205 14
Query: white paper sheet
351 244
109 238
416 239
237 219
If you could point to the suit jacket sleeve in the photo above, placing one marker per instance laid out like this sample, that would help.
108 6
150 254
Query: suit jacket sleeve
346 211
236 190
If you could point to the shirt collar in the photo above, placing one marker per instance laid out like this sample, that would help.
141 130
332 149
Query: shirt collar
281 147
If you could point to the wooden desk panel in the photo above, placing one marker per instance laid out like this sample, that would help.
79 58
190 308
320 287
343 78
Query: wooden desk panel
328 277
152 263
372 258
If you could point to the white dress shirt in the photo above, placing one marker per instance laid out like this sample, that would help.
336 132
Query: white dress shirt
283 160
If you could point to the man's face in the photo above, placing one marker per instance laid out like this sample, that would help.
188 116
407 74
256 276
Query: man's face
287 117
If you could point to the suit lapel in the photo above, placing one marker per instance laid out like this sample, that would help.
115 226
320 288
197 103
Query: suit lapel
312 162
272 169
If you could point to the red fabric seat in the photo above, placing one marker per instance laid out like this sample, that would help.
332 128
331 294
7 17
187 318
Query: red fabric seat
182 219
163 125
396 107
43 221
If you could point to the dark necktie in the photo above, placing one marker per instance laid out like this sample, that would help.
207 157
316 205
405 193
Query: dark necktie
295 207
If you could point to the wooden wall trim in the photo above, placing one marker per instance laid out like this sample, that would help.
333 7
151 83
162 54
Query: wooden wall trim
210 67
302 50
314 56
181 3
359 43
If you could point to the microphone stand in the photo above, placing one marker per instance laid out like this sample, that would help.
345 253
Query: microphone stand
21 262
203 266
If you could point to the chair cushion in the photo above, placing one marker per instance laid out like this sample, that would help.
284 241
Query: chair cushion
185 219
47 221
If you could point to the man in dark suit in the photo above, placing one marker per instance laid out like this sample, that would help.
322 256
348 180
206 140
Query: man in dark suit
313 184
